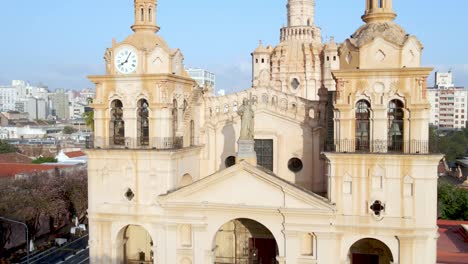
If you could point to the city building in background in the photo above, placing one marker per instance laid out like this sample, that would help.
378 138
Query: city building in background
59 104
203 77
449 103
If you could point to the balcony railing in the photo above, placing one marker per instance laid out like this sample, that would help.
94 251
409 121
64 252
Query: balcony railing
159 143
382 146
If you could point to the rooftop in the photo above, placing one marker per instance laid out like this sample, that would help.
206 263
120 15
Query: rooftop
13 169
452 248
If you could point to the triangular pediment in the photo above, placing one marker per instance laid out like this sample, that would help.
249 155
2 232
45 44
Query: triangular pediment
244 185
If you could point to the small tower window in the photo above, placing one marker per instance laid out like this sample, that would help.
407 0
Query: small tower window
143 123
150 15
395 126
142 14
117 123
380 3
192 133
175 115
263 60
334 58
256 60
328 58
362 125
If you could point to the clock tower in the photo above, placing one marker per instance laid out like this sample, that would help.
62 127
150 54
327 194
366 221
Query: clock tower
144 136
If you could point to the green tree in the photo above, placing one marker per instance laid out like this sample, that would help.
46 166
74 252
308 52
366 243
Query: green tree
453 145
41 160
89 119
452 202
69 130
5 147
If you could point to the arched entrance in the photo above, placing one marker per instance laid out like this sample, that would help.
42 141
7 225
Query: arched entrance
136 246
245 241
370 251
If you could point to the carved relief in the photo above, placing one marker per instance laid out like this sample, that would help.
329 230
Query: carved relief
395 88
422 85
361 86
108 59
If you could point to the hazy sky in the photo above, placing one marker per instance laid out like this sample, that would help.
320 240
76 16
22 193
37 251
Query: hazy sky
59 43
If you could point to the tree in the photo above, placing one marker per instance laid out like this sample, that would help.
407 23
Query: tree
452 202
89 119
37 198
453 145
69 130
5 147
41 160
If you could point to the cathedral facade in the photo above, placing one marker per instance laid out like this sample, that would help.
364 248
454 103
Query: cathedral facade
342 170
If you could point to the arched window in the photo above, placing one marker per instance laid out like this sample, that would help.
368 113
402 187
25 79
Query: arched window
175 120
142 15
143 123
192 133
117 124
362 125
395 125
380 3
150 14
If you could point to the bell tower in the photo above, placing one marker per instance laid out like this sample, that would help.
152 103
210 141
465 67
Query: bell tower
145 16
301 13
379 11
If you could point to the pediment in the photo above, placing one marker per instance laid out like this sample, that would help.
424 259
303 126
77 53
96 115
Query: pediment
244 185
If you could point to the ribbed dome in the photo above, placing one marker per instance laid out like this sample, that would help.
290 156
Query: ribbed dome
146 41
386 30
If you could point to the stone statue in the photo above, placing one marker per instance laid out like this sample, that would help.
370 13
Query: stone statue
247 120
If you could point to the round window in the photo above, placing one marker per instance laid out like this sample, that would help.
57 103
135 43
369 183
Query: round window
295 165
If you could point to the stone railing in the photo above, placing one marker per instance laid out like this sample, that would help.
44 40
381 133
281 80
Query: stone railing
224 107
158 143
299 33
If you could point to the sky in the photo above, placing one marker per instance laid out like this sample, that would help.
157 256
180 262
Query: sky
59 43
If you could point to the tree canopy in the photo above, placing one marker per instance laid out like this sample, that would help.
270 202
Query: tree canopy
453 202
41 160
5 147
452 144
36 199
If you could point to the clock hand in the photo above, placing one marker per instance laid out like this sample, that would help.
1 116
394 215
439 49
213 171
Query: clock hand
126 59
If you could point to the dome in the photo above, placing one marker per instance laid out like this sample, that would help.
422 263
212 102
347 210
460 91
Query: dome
146 41
386 30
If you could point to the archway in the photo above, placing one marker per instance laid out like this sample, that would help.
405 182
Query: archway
370 251
136 245
245 241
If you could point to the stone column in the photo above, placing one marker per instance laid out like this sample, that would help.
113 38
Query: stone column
129 117
406 250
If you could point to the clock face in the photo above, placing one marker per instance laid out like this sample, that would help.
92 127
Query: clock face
126 60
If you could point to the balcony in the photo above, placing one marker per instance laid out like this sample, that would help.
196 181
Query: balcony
412 147
156 143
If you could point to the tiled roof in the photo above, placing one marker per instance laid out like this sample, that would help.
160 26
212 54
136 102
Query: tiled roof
14 158
75 154
451 247
12 169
